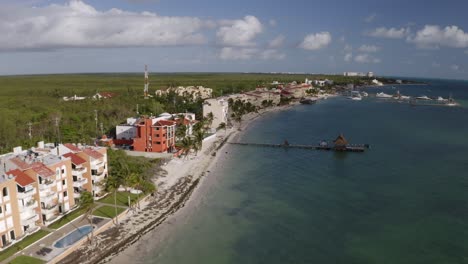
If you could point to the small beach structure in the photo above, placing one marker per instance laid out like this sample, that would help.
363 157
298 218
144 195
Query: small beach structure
340 143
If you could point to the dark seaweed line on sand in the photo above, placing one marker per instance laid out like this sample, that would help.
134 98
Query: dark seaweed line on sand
123 244
107 255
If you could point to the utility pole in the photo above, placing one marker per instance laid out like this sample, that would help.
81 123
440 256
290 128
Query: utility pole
30 130
96 119
137 110
146 89
57 127
102 128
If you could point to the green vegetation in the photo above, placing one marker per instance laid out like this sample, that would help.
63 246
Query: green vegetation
122 198
108 211
22 244
26 260
68 218
38 99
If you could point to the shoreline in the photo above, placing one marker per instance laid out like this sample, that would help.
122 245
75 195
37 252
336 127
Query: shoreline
176 181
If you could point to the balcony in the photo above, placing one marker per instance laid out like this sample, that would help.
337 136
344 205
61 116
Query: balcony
49 209
80 182
76 195
26 194
78 172
28 206
46 184
97 164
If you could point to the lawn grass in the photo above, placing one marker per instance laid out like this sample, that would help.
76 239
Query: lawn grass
107 211
26 260
22 244
122 198
68 218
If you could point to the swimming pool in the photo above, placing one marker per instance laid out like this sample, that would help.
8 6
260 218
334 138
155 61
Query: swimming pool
73 236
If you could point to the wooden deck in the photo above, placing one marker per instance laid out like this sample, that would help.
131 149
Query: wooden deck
349 148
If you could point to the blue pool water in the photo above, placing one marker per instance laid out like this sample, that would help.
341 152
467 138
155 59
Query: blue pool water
74 236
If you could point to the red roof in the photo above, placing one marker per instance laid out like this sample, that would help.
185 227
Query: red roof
75 159
21 164
94 154
72 147
21 178
165 123
42 170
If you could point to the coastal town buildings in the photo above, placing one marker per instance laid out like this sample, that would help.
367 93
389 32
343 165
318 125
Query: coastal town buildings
39 185
359 74
153 134
196 92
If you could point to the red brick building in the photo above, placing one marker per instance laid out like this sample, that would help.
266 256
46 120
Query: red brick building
154 137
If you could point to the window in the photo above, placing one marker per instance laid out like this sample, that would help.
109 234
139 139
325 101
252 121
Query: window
63 182
63 171
157 135
5 191
65 194
158 142
1 211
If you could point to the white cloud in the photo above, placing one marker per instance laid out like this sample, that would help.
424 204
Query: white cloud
316 41
229 53
348 48
370 18
435 65
277 42
393 33
272 54
272 22
77 24
432 36
240 32
348 57
232 53
366 58
455 67
369 48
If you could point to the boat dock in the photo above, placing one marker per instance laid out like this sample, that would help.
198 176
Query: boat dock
349 148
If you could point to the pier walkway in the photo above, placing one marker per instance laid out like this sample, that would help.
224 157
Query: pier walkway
348 148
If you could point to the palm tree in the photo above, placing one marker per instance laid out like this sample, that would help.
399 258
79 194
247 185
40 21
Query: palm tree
222 126
186 145
198 140
209 120
87 202
112 184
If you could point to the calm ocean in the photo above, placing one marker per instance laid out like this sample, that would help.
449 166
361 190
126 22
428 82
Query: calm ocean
403 201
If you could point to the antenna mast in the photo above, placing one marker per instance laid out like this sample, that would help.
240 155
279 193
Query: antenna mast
30 130
145 91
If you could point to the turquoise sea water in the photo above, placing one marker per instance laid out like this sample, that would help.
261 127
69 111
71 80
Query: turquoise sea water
403 201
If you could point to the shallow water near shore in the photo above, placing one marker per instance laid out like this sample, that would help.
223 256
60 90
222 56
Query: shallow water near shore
403 201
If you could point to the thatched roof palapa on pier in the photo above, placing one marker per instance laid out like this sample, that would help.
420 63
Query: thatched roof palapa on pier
340 141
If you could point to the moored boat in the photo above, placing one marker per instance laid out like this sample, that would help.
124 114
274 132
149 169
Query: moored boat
383 95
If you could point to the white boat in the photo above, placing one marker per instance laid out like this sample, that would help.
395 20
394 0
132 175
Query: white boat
399 96
441 99
355 95
364 94
423 98
383 95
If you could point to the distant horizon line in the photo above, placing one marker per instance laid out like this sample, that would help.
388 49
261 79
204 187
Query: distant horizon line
213 72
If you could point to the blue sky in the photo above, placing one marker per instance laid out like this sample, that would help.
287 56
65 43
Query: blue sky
405 38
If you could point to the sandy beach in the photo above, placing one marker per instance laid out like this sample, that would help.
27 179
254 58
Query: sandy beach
175 182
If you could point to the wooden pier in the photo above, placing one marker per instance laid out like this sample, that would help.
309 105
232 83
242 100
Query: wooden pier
348 148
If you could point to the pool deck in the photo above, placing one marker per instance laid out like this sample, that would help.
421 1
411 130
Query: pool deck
44 249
